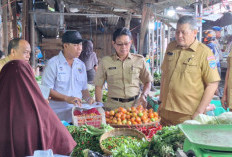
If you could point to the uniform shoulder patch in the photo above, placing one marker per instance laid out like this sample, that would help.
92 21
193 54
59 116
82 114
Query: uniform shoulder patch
212 62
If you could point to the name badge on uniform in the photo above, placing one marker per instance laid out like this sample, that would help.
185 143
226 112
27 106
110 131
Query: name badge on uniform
80 70
170 53
61 68
112 68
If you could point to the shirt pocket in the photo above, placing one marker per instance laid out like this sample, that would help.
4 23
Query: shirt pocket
134 75
191 66
113 75
62 81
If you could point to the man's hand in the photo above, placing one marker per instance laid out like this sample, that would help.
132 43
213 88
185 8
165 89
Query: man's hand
90 100
73 100
142 101
224 102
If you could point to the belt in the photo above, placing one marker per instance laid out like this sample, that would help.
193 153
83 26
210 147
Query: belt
125 100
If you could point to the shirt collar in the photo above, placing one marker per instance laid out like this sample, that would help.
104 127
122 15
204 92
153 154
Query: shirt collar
193 46
62 59
115 56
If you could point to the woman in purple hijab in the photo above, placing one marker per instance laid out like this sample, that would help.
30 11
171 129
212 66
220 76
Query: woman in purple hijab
27 122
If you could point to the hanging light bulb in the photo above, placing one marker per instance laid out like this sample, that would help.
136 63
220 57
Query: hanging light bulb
171 11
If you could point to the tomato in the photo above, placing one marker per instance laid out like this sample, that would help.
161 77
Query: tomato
124 121
118 115
119 123
112 113
138 119
155 114
151 110
128 116
134 114
123 117
133 119
150 115
140 114
133 109
153 119
128 123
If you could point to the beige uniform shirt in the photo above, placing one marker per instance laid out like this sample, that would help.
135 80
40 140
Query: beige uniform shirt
229 89
185 74
122 77
4 61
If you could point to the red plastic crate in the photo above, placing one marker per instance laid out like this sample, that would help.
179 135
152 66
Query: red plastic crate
86 117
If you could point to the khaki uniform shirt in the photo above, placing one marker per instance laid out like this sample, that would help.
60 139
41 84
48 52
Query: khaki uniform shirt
229 89
185 74
122 77
4 61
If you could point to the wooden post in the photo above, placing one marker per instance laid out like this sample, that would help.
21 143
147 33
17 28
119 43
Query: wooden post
144 24
127 21
24 19
32 37
14 21
5 27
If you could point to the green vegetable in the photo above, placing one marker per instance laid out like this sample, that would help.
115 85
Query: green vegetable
166 142
86 137
126 146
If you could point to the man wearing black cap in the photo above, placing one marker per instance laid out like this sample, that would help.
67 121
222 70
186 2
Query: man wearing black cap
66 76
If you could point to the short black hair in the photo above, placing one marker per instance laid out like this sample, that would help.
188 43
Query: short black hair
13 44
122 31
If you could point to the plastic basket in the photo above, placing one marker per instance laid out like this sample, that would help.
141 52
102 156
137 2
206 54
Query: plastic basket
93 120
153 103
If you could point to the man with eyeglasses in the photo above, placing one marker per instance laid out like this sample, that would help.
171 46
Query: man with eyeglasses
18 49
123 72
66 76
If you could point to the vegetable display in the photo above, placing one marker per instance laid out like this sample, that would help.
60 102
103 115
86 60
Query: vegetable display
104 94
87 137
126 146
131 116
166 142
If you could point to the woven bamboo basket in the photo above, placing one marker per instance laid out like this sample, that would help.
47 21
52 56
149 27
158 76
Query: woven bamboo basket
147 125
119 132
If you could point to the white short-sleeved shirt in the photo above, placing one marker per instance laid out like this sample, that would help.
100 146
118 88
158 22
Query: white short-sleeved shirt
61 77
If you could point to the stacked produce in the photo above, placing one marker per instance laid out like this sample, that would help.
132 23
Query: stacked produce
166 142
87 137
131 116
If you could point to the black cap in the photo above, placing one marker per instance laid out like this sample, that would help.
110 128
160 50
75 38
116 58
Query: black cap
73 37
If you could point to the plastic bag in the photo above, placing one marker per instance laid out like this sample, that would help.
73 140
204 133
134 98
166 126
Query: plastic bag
90 153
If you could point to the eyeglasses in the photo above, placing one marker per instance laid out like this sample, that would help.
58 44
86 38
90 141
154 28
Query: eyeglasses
121 44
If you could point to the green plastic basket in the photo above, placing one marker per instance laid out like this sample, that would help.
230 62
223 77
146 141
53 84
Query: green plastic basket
153 103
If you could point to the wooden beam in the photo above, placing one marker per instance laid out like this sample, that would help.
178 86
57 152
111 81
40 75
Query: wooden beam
122 4
144 25
161 5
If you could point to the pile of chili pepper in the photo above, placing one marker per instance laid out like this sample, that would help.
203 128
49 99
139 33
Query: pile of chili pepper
149 131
